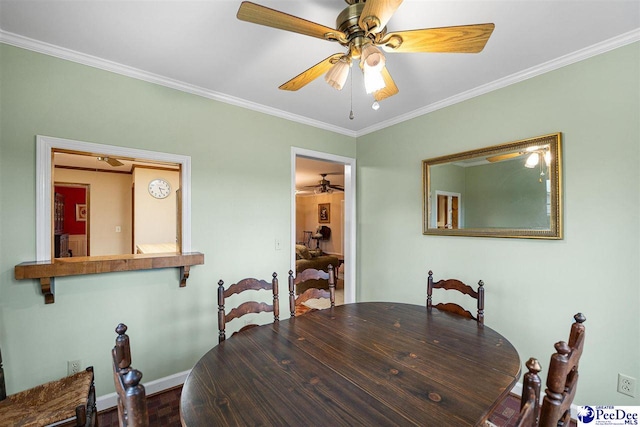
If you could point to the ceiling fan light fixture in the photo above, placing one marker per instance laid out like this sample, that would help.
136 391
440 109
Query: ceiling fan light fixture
360 28
372 58
323 190
110 160
532 160
337 75
373 81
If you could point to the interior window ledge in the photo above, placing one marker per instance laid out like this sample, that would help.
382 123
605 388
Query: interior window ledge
47 271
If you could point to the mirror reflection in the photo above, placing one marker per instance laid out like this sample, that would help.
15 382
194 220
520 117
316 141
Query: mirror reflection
511 190
113 206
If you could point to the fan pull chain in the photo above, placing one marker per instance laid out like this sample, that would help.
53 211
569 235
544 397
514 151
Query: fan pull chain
351 112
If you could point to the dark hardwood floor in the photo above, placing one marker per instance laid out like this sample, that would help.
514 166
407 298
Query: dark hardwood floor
164 411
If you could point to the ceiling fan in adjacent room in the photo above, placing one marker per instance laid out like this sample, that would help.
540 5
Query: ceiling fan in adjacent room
325 186
110 160
361 28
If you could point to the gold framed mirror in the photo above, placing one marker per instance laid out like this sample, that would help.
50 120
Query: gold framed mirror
508 190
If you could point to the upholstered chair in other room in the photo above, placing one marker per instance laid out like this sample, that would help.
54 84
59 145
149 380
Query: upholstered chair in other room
298 304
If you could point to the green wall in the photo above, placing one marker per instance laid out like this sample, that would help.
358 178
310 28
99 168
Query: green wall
507 195
241 181
241 202
533 287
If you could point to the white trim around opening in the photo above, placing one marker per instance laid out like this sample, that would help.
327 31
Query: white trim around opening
349 214
45 145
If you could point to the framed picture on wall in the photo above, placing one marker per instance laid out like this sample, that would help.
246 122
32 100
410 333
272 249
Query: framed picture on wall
81 212
324 213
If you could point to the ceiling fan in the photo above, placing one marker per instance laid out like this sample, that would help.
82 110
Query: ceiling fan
325 186
110 160
535 154
360 28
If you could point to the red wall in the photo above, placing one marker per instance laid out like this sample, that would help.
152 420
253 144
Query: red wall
73 196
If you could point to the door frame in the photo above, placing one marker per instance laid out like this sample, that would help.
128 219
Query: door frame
87 198
349 214
448 194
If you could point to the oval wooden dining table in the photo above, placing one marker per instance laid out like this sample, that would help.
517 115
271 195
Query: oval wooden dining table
364 364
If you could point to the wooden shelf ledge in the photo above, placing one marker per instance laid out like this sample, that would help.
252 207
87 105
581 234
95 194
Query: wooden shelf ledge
46 271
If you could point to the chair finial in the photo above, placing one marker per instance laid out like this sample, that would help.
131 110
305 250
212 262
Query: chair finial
121 329
562 348
533 365
579 317
132 378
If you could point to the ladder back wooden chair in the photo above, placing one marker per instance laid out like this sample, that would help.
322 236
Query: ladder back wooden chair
562 378
132 398
530 401
249 284
562 381
297 305
71 399
454 284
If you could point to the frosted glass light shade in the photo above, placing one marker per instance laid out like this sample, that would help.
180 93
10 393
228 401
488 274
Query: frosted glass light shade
322 190
372 58
532 160
337 75
373 80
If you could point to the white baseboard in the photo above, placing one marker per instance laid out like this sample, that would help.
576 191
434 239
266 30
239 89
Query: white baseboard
109 401
517 389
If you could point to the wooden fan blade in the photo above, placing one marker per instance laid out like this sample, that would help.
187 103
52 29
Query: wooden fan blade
389 89
312 73
113 162
262 15
502 157
376 14
460 39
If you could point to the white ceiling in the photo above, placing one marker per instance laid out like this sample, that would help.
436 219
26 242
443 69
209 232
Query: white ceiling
200 47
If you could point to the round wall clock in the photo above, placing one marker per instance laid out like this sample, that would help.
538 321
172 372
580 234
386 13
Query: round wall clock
159 188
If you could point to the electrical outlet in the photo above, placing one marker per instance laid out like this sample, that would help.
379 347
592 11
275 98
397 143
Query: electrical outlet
73 367
626 385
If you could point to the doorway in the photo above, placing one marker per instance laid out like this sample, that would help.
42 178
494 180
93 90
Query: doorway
448 210
338 204
71 220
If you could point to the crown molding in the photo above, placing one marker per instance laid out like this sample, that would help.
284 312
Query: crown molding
563 61
93 61
114 67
